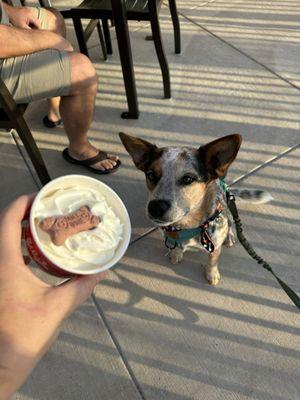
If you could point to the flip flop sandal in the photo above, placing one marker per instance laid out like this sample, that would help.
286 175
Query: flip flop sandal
51 124
102 155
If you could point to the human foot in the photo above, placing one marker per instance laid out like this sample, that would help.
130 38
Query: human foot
98 161
49 123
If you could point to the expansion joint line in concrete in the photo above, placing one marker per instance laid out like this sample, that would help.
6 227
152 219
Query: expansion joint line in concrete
240 51
115 341
265 164
143 235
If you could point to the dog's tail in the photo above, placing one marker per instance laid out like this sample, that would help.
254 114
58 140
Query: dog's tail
252 195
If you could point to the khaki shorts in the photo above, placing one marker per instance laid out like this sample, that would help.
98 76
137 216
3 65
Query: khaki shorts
40 75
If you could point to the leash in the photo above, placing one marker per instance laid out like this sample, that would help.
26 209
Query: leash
244 242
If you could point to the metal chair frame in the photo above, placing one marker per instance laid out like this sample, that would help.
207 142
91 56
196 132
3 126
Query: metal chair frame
12 118
85 11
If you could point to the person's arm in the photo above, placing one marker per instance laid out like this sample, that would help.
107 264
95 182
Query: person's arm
18 42
31 311
25 37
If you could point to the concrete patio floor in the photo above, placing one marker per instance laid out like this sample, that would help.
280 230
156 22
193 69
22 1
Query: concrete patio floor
152 330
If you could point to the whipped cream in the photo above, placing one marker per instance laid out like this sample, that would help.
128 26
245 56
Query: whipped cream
84 249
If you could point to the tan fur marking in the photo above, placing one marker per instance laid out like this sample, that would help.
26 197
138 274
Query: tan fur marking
194 217
156 168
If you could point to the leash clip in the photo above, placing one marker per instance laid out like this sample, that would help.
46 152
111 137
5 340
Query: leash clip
230 196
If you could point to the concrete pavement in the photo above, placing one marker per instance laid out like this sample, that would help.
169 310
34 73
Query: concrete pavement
156 331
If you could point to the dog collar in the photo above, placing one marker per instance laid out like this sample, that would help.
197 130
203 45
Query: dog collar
175 237
223 185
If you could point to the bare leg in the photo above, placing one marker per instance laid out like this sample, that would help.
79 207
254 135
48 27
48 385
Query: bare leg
56 24
53 109
211 270
78 108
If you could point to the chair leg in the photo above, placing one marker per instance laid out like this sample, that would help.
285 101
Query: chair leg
176 25
123 39
80 36
107 36
102 41
90 29
159 48
33 151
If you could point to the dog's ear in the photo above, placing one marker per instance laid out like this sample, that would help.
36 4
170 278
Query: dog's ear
140 150
219 154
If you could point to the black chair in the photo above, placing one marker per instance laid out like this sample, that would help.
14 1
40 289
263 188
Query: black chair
137 10
11 118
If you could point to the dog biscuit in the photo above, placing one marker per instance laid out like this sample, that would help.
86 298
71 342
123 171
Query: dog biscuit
61 228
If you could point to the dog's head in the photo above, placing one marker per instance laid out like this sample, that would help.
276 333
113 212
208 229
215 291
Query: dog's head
177 177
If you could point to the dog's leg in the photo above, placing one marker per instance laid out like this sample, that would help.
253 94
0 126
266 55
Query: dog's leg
176 255
211 270
230 238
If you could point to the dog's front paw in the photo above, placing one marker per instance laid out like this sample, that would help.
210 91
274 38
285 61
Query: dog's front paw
176 255
212 275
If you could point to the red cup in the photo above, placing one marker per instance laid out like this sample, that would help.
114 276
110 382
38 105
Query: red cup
41 259
34 247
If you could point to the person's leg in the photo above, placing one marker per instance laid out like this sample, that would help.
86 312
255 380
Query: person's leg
53 113
53 73
53 21
77 110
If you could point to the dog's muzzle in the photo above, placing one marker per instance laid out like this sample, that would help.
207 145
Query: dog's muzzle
158 208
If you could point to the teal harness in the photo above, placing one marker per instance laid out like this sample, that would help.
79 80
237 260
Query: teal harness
175 237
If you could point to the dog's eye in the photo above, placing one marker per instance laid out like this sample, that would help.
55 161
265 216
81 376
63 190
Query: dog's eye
187 180
151 176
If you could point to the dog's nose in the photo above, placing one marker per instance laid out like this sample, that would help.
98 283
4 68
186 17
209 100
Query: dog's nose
157 208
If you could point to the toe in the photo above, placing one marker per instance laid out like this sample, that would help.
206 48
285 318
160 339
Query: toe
213 277
112 157
109 163
214 280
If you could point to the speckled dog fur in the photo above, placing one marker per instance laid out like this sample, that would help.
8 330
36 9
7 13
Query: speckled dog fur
184 190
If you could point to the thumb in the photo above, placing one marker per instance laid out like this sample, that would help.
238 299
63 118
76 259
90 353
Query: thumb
72 293
24 25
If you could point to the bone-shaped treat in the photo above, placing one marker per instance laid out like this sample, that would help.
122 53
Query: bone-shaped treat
61 228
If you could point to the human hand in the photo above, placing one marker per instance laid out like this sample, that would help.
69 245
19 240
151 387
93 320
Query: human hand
23 17
31 311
